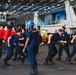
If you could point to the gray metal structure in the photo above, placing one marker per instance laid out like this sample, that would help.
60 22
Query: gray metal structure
17 7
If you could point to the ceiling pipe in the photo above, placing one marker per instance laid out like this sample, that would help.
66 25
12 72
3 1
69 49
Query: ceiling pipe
1 3
17 5
9 4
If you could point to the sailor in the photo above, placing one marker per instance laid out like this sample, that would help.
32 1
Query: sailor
31 44
10 44
64 43
52 50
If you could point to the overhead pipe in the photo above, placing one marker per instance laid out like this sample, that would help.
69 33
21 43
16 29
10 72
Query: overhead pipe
17 5
52 10
1 3
9 4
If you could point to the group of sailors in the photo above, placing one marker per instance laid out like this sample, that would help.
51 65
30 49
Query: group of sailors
62 39
19 41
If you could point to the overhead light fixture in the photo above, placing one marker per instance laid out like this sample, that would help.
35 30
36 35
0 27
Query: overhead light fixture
6 3
14 10
32 4
48 11
45 9
24 8
9 0
58 4
53 6
48 7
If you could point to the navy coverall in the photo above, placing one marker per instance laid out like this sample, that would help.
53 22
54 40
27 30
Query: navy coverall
10 50
52 50
32 47
64 37
73 51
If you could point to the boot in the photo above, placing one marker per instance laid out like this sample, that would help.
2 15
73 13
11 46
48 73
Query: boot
0 56
59 59
23 59
14 59
5 63
51 62
32 72
36 71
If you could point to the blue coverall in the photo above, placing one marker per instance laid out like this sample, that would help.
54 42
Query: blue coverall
52 50
73 51
64 37
10 50
32 47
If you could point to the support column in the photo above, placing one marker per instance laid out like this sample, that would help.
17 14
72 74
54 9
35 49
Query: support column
36 19
67 9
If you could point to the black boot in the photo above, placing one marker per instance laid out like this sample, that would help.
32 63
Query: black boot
59 59
23 59
14 59
0 56
51 62
5 63
36 71
32 72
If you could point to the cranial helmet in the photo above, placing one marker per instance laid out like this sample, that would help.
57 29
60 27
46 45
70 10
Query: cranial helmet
30 23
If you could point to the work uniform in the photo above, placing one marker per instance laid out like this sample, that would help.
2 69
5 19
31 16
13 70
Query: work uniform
20 48
52 50
10 50
13 32
32 47
1 43
64 37
73 51
5 37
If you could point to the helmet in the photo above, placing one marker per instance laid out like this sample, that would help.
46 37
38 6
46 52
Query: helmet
30 23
